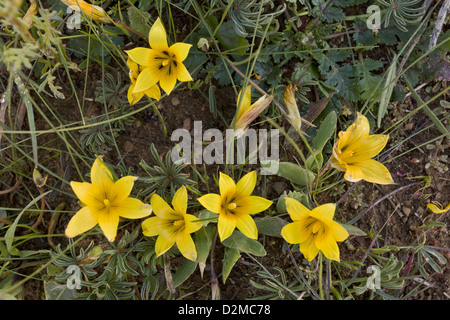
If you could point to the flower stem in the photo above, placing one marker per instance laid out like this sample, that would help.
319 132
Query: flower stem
320 277
156 110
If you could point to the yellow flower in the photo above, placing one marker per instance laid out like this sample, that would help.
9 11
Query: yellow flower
163 63
105 201
437 208
172 225
96 13
135 70
247 112
293 115
32 11
354 150
234 205
315 230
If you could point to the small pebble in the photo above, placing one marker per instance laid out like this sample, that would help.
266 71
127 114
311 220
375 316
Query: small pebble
175 101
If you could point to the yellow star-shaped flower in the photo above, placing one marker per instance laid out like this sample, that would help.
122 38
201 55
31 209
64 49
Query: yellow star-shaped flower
315 230
162 63
134 72
172 225
105 201
354 150
235 204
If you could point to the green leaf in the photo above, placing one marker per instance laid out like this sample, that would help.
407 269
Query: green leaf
231 256
139 20
270 226
9 236
242 243
295 173
352 230
203 242
325 132
387 91
184 272
230 40
55 291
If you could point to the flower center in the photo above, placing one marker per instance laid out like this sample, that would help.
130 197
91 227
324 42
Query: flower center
178 223
165 62
107 203
231 206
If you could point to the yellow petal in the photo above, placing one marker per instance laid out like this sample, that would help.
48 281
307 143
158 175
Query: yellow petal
326 243
140 56
246 224
251 113
87 193
180 50
134 69
108 223
168 79
182 73
436 209
192 223
121 189
91 11
324 212
162 209
354 132
179 201
296 210
227 187
157 37
226 225
366 148
251 205
295 232
152 226
164 243
134 97
309 249
100 174
146 80
153 92
212 202
369 170
245 103
187 246
246 185
81 222
131 208
291 104
339 233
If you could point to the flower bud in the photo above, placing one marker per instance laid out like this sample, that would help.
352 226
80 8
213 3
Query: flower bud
96 13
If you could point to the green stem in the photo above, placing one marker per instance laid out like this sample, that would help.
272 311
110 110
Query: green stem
322 297
155 108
